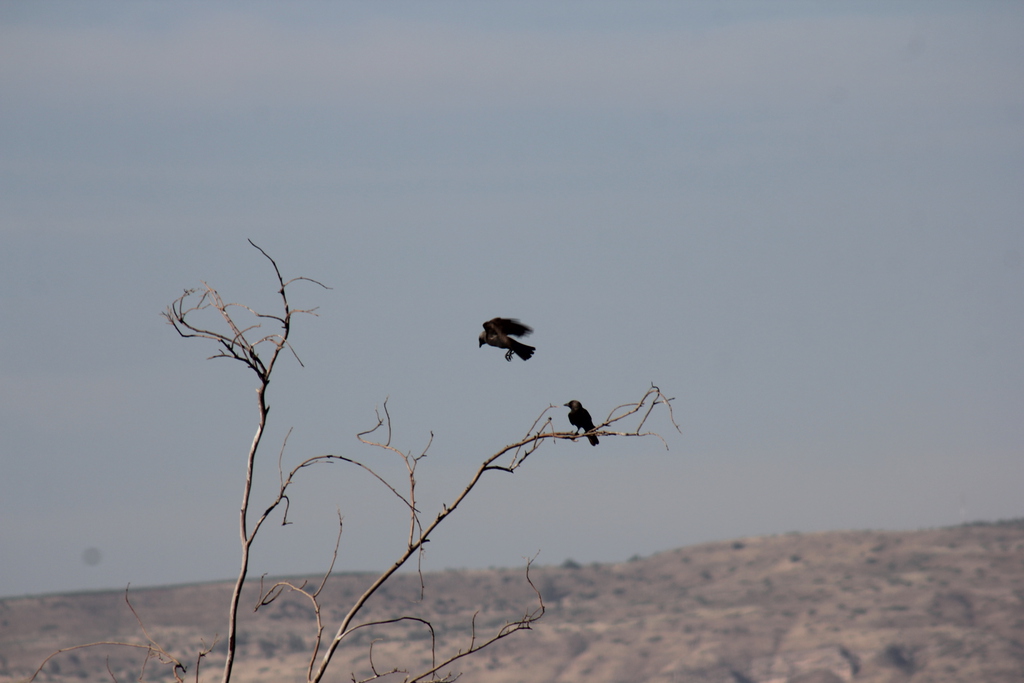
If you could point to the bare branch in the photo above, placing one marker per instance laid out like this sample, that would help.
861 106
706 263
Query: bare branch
202 653
334 556
520 450
106 662
540 431
72 648
153 650
523 624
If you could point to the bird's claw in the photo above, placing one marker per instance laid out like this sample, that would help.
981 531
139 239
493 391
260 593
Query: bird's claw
508 355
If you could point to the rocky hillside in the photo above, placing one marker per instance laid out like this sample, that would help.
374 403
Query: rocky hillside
937 605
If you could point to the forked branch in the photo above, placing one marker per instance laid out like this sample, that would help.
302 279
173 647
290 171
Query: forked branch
541 430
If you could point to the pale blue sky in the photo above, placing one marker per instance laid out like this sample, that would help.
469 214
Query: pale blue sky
804 221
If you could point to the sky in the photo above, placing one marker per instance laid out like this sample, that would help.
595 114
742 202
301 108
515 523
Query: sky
803 221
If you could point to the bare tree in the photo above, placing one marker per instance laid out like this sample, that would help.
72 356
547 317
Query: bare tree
259 351
245 345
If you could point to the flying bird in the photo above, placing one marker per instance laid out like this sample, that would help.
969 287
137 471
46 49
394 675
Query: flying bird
580 419
499 332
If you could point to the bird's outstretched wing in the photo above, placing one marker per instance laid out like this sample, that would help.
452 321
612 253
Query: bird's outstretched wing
507 326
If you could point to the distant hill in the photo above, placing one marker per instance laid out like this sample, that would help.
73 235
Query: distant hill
940 605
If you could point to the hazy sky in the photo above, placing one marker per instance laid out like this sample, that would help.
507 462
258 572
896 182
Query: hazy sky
804 221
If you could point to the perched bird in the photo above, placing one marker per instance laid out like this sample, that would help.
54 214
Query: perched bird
496 333
580 419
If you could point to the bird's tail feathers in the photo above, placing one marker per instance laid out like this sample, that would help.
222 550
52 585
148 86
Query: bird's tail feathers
524 351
